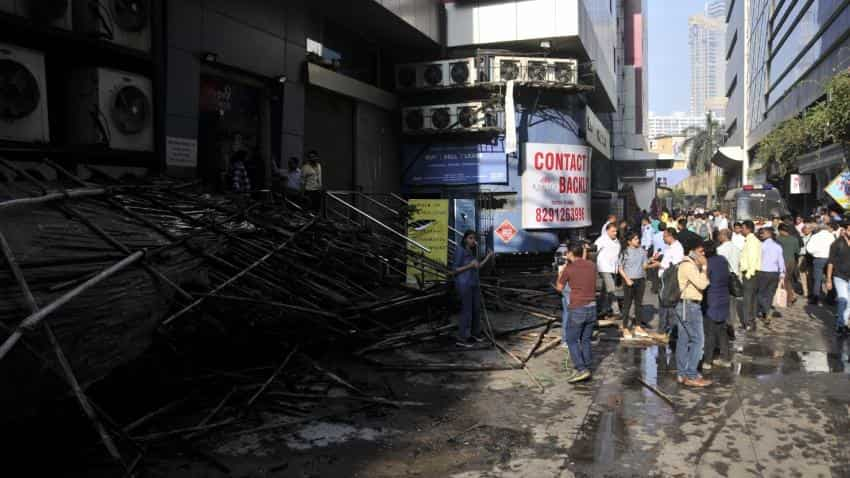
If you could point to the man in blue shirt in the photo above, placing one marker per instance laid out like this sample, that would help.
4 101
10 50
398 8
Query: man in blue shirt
465 271
771 272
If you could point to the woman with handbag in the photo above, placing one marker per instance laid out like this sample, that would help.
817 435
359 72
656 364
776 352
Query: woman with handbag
716 307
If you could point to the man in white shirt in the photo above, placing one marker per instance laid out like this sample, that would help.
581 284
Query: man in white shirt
720 221
607 264
738 236
729 251
673 255
818 247
612 219
646 234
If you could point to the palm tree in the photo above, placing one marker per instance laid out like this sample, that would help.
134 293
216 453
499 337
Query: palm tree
703 142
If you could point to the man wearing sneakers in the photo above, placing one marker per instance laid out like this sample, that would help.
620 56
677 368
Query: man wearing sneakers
580 275
693 280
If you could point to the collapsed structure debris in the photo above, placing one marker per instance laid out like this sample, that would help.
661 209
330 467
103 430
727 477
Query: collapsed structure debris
96 272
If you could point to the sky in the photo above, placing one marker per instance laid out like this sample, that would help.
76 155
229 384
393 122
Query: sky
669 65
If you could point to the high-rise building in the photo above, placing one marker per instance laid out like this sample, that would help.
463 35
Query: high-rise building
780 56
674 124
707 39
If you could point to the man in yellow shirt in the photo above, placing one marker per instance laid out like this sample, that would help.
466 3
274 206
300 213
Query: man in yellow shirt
750 266
693 280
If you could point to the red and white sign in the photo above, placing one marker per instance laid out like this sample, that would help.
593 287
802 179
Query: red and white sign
506 231
556 186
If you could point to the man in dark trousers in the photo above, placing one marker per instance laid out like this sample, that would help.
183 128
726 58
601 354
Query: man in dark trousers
580 274
838 278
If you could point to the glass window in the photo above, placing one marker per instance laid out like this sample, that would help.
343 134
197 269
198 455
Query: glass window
757 56
781 17
784 70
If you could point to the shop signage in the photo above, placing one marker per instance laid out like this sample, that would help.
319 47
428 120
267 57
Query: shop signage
596 134
429 226
839 189
506 231
801 184
455 164
556 186
181 152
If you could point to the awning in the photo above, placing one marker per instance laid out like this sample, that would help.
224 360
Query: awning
640 158
729 157
346 86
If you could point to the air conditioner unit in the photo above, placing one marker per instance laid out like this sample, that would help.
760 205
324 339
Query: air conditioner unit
112 108
504 68
55 13
565 71
124 22
439 117
412 119
462 71
23 95
433 74
406 76
469 115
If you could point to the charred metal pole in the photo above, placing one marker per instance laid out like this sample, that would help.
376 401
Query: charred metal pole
60 355
34 318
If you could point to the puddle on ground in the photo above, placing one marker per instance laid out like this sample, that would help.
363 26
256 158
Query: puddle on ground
324 434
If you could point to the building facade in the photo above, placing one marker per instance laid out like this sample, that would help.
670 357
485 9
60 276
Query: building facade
674 124
706 40
789 50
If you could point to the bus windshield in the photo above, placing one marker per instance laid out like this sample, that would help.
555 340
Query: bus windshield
759 204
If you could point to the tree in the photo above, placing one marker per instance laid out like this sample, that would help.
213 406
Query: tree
703 142
827 122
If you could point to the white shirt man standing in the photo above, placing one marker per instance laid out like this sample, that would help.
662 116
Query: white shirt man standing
607 264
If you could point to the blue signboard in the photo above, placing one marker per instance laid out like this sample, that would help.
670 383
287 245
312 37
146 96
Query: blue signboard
455 164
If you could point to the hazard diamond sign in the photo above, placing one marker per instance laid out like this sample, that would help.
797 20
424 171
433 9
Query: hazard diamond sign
506 231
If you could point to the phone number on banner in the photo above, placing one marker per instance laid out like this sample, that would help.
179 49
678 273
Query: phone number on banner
560 214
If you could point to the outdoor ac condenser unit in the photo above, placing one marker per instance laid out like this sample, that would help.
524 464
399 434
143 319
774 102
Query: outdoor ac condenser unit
439 117
124 22
23 95
56 13
412 119
111 108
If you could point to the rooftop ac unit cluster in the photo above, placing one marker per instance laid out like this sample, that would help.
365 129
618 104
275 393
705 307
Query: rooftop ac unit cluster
469 72
474 116
464 72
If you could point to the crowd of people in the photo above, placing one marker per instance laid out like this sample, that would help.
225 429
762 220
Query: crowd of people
297 182
706 271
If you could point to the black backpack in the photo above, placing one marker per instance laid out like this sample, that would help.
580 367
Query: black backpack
670 292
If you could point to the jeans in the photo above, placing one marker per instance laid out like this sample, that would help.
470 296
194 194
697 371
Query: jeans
691 339
748 317
579 334
565 314
470 315
842 292
767 284
633 294
608 301
818 266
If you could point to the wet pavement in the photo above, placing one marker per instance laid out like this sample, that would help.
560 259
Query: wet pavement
781 410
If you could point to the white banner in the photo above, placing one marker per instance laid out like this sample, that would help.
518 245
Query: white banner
181 151
510 119
556 186
801 184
